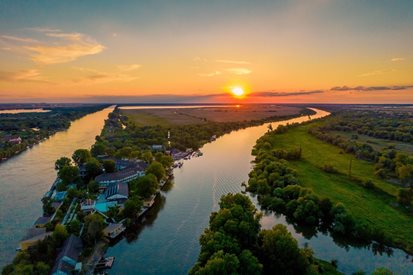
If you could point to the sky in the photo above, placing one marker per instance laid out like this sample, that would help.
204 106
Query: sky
280 51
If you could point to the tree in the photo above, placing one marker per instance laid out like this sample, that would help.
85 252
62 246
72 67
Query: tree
280 253
93 186
405 196
157 169
62 162
69 174
93 168
81 156
59 234
147 156
94 225
144 186
109 166
74 227
132 207
98 149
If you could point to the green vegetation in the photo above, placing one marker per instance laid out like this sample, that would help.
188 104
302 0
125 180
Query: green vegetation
19 131
234 244
317 184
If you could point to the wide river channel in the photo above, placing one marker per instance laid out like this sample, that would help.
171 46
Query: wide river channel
167 240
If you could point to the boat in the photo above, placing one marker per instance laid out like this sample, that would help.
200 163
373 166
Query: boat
104 263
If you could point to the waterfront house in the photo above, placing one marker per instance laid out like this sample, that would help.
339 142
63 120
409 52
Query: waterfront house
33 235
41 222
67 259
117 192
113 230
14 140
88 205
122 176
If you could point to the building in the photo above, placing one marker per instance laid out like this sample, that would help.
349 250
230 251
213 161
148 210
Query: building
59 196
122 176
88 205
117 192
14 140
157 147
33 235
67 259
113 230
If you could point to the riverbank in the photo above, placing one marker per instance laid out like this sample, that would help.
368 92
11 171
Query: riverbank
20 131
26 177
368 211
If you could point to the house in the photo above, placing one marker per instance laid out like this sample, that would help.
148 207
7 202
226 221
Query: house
117 192
88 205
32 236
14 140
122 176
67 259
41 222
113 230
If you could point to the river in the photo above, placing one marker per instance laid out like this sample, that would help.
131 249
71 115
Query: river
167 241
26 177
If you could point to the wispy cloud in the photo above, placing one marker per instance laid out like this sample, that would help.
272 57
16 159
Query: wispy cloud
31 75
234 62
238 71
377 72
397 59
129 67
19 39
211 74
372 88
53 46
97 77
280 94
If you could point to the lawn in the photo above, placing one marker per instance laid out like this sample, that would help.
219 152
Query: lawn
319 153
378 208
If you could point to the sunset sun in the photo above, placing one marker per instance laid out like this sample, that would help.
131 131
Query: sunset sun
238 91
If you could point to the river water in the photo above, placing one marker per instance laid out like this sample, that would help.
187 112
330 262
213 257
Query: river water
167 241
26 177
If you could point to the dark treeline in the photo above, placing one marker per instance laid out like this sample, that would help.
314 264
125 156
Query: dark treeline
235 244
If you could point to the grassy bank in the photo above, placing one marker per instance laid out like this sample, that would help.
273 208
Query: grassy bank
376 206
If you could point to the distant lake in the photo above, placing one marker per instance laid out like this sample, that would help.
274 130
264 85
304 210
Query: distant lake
19 111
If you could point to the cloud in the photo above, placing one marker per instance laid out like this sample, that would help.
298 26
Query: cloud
372 88
98 77
235 62
211 74
238 71
129 67
19 39
55 47
397 59
31 75
377 72
280 94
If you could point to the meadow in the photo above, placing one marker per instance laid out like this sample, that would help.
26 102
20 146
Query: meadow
377 206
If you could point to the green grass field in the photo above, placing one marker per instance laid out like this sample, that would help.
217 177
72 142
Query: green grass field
378 208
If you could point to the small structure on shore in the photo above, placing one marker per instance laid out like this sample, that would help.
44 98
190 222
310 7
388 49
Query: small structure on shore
67 260
41 222
113 230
